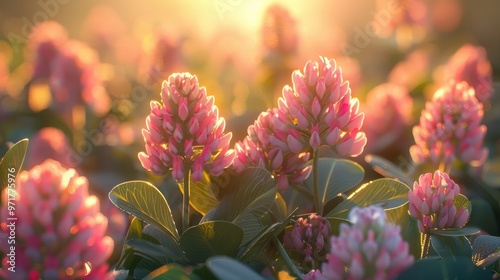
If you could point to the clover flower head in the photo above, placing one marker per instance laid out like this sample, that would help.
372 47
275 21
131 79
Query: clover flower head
470 63
432 202
266 147
450 128
60 231
309 238
45 41
370 248
319 111
388 111
184 130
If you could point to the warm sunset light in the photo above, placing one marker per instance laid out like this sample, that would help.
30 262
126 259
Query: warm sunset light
249 139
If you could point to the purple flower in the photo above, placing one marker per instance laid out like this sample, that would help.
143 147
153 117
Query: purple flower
185 131
60 231
370 248
309 238
319 111
450 128
432 202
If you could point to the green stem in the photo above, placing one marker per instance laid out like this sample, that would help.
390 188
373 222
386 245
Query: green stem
286 258
185 200
318 205
425 245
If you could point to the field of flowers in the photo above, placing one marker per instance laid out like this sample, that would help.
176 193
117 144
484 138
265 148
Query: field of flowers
234 139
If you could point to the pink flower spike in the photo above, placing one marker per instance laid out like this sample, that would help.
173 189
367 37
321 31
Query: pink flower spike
462 218
177 168
441 191
276 156
315 140
447 132
184 125
320 97
61 196
470 63
183 109
197 174
294 144
377 248
315 108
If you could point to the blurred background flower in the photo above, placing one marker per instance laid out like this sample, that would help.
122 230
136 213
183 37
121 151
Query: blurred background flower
450 130
46 40
470 64
49 143
388 112
60 231
371 248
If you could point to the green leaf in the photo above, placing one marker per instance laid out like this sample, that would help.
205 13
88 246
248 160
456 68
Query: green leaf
203 272
297 197
461 201
209 239
335 224
335 176
202 195
386 193
451 246
226 268
12 163
278 208
253 193
389 169
144 201
398 215
486 250
165 239
262 239
450 268
127 259
409 227
283 255
455 231
160 253
170 272
144 267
